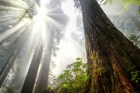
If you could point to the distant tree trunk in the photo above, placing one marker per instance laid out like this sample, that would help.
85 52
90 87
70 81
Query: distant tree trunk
8 66
110 55
19 42
42 82
29 82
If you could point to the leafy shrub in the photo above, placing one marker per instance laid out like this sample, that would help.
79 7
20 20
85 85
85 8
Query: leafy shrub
73 79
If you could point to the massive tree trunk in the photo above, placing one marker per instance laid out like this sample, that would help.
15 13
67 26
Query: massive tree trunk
110 54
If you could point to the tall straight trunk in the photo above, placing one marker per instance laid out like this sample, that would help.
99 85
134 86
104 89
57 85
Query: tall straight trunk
29 82
110 55
42 82
19 41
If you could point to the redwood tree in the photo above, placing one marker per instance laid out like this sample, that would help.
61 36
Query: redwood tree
111 56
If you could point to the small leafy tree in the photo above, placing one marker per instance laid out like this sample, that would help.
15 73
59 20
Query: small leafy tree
135 75
73 79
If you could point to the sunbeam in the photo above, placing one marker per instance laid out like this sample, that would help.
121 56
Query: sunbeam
39 30
44 45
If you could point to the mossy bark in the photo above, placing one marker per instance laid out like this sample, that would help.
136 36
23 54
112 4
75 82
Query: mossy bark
110 54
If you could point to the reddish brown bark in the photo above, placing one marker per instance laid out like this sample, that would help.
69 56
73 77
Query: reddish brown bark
110 54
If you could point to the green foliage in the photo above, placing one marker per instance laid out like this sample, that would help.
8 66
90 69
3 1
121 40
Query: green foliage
9 90
135 75
128 2
131 1
73 79
125 3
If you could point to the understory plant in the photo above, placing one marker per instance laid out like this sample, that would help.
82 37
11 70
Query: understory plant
73 79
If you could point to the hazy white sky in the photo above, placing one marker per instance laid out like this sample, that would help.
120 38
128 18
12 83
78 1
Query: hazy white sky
68 48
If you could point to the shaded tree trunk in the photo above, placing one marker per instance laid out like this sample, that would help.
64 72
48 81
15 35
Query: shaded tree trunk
19 42
110 55
42 82
29 82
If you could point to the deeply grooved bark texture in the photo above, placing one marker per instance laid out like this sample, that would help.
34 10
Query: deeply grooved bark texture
110 54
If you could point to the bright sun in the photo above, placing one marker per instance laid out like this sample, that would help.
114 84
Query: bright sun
40 20
41 11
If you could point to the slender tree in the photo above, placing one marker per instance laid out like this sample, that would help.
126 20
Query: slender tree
54 33
18 45
111 56
29 82
42 81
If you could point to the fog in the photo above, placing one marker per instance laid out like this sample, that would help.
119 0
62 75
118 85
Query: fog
56 26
